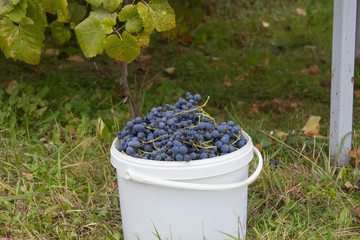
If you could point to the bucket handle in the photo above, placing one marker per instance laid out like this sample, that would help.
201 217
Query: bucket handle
137 177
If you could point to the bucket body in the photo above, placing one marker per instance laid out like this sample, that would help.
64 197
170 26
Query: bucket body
158 200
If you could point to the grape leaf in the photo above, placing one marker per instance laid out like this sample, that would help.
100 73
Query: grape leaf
146 15
125 49
95 3
90 34
133 24
21 42
144 38
100 13
157 14
59 7
77 12
107 20
18 12
111 5
128 12
36 13
107 24
6 6
59 32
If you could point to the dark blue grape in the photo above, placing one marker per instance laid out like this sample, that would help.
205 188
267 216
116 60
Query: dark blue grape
225 139
179 157
203 155
197 97
224 148
221 129
183 150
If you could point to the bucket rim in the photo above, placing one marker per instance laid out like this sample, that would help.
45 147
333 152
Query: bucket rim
119 156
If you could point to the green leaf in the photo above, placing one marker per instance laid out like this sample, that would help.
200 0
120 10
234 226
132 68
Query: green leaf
134 24
128 12
59 32
111 5
107 20
91 34
21 42
77 12
157 14
100 13
36 13
18 12
6 6
95 3
107 24
125 49
146 15
58 7
144 38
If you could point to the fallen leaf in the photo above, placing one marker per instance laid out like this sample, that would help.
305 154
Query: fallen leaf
76 58
258 147
348 185
357 209
169 70
227 82
266 62
11 87
357 94
265 24
277 105
255 109
28 176
51 52
281 134
145 58
63 66
301 12
312 126
355 156
313 69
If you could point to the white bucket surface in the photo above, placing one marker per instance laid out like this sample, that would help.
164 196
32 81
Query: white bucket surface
200 199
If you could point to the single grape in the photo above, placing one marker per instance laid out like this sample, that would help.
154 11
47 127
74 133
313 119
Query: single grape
129 124
215 133
197 97
183 150
175 150
203 155
187 158
235 129
224 148
221 129
179 157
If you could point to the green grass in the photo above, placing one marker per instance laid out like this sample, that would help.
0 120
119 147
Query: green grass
56 126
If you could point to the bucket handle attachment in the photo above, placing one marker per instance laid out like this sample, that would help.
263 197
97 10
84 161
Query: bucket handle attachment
137 177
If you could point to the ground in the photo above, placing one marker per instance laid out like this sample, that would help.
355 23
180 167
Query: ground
264 65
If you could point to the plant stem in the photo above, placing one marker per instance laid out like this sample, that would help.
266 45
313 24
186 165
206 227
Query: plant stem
134 106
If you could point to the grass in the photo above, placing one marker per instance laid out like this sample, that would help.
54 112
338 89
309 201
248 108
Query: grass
56 126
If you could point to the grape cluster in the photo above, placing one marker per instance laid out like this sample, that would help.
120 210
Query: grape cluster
179 132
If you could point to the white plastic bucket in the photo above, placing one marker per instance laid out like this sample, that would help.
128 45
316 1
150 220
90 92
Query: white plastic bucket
201 199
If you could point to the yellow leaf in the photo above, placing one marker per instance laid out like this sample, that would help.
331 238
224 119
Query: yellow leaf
169 70
51 52
301 12
265 24
281 134
76 58
312 126
227 82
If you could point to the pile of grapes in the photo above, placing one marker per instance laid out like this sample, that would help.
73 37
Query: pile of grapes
181 132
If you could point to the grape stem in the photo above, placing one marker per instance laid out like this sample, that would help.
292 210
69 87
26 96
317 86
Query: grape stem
191 110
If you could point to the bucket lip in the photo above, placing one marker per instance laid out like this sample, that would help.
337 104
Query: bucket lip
119 156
